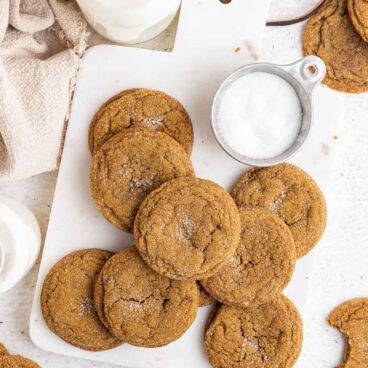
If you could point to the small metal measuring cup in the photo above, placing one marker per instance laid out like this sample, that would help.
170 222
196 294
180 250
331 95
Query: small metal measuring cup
303 76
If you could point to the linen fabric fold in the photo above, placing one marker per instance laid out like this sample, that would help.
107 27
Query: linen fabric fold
41 43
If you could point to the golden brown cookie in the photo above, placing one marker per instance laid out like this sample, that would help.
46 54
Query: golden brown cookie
358 11
262 265
141 108
290 193
98 115
351 318
187 229
266 335
99 299
131 165
3 350
331 35
67 301
204 298
142 307
16 361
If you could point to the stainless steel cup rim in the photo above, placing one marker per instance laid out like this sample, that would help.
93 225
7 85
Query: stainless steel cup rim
303 75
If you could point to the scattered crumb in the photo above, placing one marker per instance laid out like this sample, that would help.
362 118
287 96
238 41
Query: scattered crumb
253 53
335 137
325 149
237 49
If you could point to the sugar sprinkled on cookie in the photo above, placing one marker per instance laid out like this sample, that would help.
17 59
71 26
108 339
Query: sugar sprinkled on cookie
187 229
290 193
129 166
265 335
142 307
262 265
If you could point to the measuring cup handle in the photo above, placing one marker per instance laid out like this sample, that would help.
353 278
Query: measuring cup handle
309 71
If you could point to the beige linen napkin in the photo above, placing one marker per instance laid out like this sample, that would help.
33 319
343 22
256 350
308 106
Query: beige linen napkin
41 42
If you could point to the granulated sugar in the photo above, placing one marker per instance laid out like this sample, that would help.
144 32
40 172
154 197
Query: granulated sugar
260 115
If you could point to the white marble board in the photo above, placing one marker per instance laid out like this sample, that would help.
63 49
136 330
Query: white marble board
209 32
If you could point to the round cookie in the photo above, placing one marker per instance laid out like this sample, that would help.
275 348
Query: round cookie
16 361
131 165
67 301
142 307
290 193
331 35
3 350
351 318
266 335
204 298
187 229
262 265
358 11
141 108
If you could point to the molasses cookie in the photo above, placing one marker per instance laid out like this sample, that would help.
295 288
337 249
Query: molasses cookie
187 229
67 301
291 194
266 335
331 35
99 298
98 115
142 108
16 361
358 11
129 166
142 307
262 265
204 298
351 318
3 350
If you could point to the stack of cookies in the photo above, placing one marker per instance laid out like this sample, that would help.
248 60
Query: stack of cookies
194 244
338 34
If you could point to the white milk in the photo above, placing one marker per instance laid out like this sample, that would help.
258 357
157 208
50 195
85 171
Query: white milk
20 242
129 21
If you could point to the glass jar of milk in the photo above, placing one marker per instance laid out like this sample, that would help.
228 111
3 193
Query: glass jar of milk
20 242
129 21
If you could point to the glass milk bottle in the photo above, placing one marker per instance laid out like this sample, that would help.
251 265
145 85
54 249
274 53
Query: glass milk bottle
20 242
129 21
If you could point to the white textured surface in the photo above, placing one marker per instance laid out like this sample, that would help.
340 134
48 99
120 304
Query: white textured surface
340 270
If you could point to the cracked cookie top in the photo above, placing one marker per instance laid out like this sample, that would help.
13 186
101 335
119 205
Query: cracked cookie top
291 194
330 34
265 335
262 265
187 229
143 108
129 166
351 318
67 301
142 307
